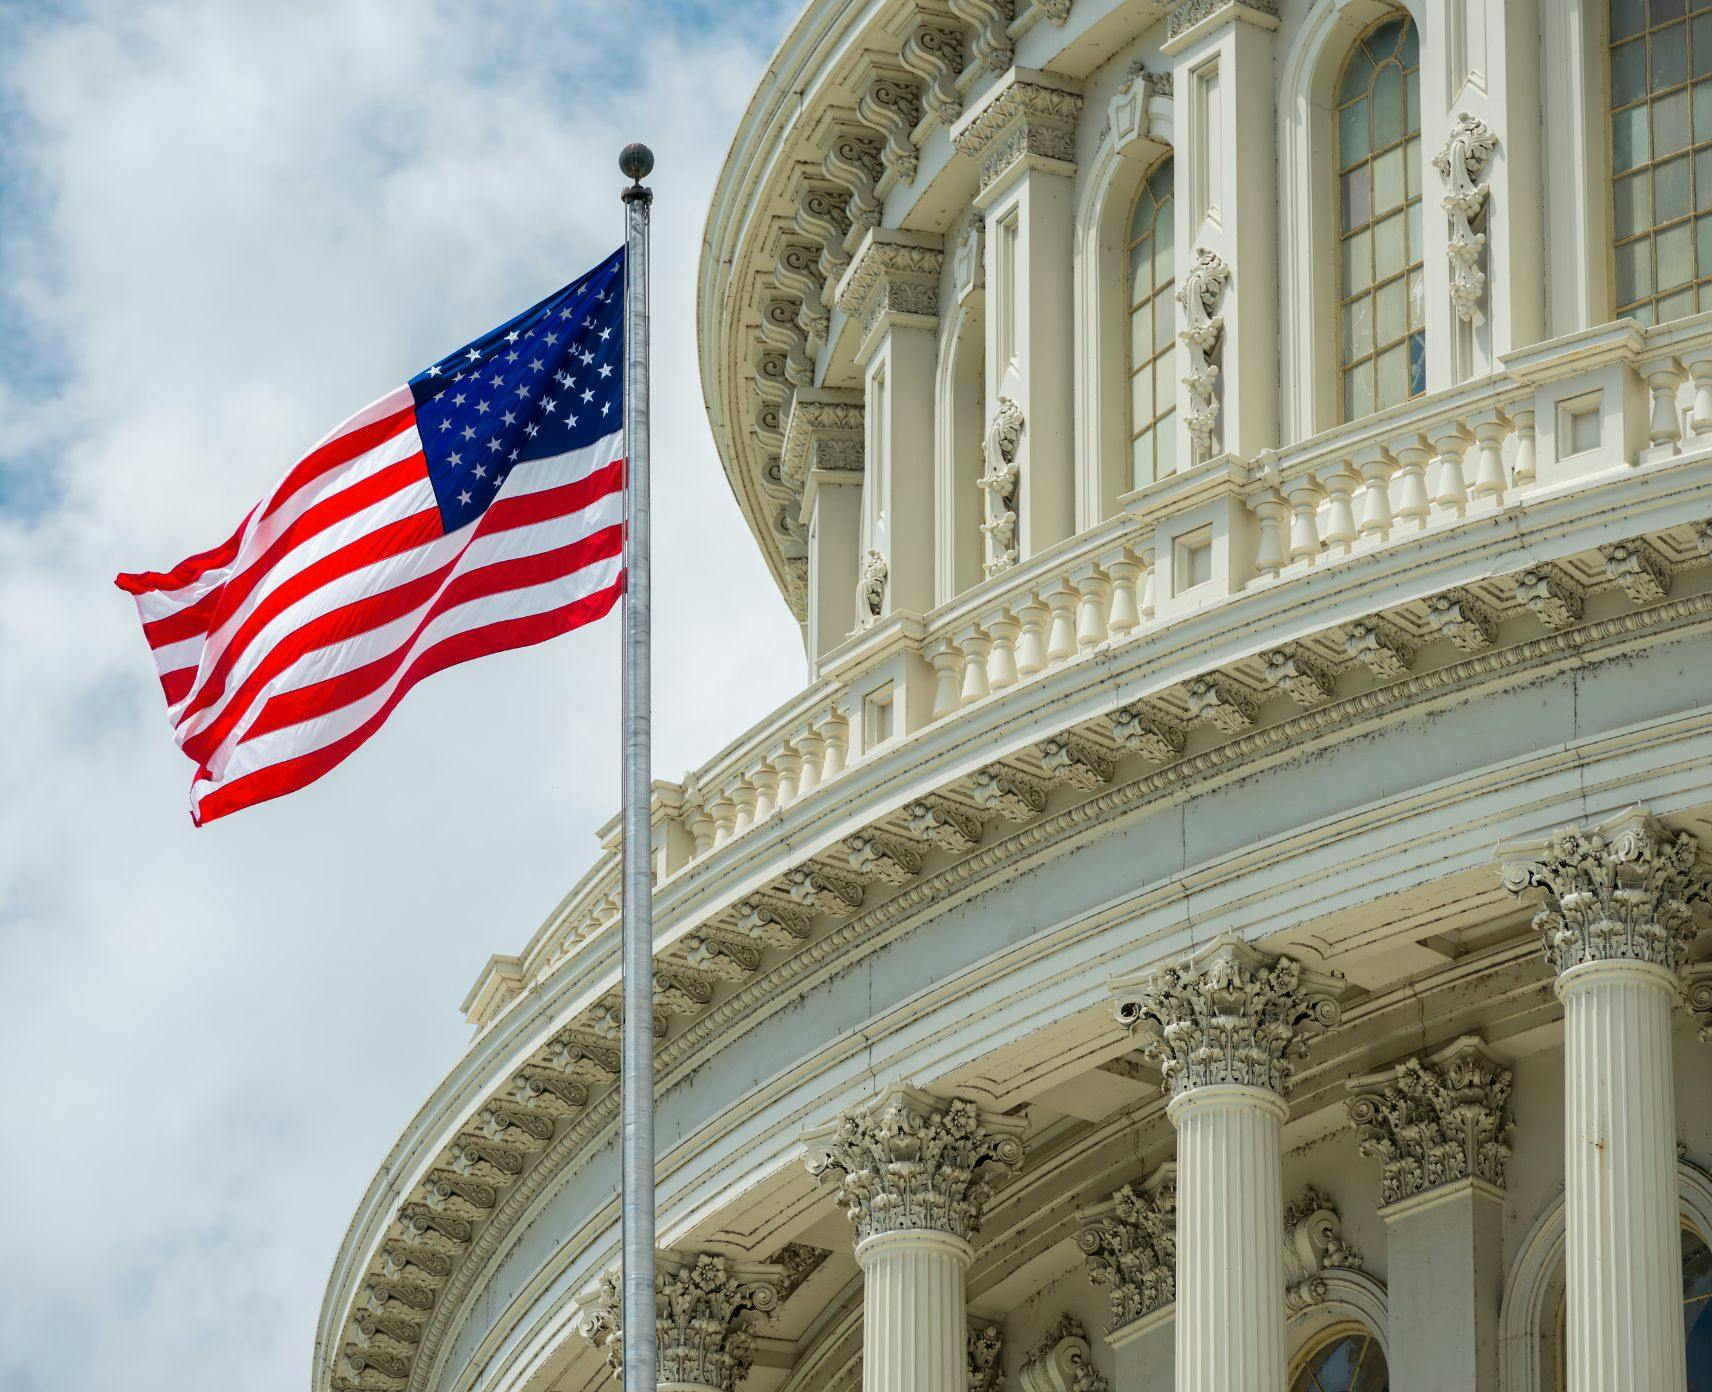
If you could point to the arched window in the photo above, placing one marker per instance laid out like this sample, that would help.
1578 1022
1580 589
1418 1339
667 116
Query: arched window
1661 158
1152 331
1382 338
1349 1360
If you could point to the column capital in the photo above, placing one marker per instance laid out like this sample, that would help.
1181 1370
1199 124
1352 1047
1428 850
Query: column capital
703 1308
1620 891
822 432
1437 1119
1129 1244
1026 121
909 1162
1189 20
893 278
1228 1015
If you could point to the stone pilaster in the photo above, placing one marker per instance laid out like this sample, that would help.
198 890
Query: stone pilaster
1129 1245
1226 1026
823 456
914 1174
705 1306
1615 924
1440 1127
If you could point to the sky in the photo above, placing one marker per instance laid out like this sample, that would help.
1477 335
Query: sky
224 226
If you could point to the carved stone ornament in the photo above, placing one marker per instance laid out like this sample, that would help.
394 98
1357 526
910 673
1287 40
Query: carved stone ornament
871 587
934 53
1620 891
1313 1245
703 1305
1020 120
1060 1361
999 485
1129 1244
989 21
1202 288
891 107
908 1161
823 431
1697 994
893 274
1192 12
1462 162
1434 1121
1228 1014
986 1356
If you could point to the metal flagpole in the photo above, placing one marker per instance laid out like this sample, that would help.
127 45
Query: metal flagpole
640 1373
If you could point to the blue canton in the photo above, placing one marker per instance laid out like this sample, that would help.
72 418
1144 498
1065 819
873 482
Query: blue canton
549 381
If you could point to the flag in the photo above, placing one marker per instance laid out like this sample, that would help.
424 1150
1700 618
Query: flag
477 508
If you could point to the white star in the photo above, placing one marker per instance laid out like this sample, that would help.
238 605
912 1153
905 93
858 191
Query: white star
588 395
606 369
565 313
605 406
481 471
458 400
531 428
509 418
493 444
475 355
511 337
464 497
513 456
511 356
481 406
468 432
456 459
434 371
535 364
547 404
605 334
587 357
552 339
497 380
570 422
446 424
522 390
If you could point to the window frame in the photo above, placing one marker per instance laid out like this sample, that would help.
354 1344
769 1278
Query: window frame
1164 211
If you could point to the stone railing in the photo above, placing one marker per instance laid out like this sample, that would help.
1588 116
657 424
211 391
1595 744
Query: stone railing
1559 417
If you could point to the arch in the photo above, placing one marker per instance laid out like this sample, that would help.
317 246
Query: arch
1353 1299
1308 232
1305 1377
1139 120
1521 1319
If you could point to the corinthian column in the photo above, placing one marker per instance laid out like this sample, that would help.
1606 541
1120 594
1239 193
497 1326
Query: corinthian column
1225 1026
914 1175
1615 927
703 1307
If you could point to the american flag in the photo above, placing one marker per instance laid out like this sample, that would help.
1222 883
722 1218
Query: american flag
475 509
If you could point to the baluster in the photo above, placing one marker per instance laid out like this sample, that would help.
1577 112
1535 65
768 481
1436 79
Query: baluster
701 828
1452 492
789 764
812 746
1031 643
1412 508
1147 583
1377 464
1304 495
1525 461
1002 661
1269 557
1061 639
975 644
1664 430
1123 616
724 820
744 795
1337 534
1490 428
766 781
837 732
947 687
1094 587
1700 417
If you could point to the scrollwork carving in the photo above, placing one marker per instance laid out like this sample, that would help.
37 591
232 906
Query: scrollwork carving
1313 1245
1202 288
1129 1246
1000 484
1462 161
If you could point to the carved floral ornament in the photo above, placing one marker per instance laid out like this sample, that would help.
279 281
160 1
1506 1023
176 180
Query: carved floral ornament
871 587
1129 1245
1462 162
986 1358
1061 1363
1228 1015
1435 1121
1620 891
1313 1245
1202 288
703 1310
1000 485
909 1162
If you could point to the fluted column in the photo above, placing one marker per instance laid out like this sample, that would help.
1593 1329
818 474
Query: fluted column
914 1174
704 1308
1615 926
1225 1027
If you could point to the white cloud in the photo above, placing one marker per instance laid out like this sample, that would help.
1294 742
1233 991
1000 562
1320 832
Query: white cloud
226 226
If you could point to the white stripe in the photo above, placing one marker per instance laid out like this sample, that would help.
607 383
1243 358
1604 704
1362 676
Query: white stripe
280 745
187 652
363 648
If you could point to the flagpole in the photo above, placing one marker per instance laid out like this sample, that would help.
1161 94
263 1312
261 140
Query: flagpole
637 1201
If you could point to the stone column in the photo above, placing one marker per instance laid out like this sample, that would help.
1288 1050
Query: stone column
914 1174
1226 1026
704 1308
822 455
1616 925
1441 1128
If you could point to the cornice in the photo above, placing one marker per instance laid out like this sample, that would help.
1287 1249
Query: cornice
1027 116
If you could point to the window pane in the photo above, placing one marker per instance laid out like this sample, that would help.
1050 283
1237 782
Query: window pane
1412 168
1703 108
1410 49
1670 124
1417 299
1388 312
1164 320
1165 372
1140 335
1668 48
1352 133
1387 181
1357 263
1164 243
1165 444
1415 242
1394 375
1658 11
1675 252
1701 45
1632 204
1629 146
1417 363
1703 243
1356 209
1356 75
1141 398
1141 218
1357 328
1628 18
1628 72
1675 306
1412 102
1670 190
1141 460
1356 398
1388 247
1387 106
1139 256
1634 270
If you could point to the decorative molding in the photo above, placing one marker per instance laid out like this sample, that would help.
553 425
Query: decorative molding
1013 795
1623 890
1127 117
1060 1361
1697 996
1462 160
1551 595
943 824
1020 119
798 1261
968 260
986 1358
894 273
988 21
1218 701
1147 730
907 1162
823 431
1313 1246
780 329
1073 760
1460 617
1436 1120
771 922
934 53
891 106
999 485
798 272
1228 1015
703 1307
1129 1244
1638 568
1191 12
1203 287
877 855
1306 680
853 163
871 587
822 216
1381 647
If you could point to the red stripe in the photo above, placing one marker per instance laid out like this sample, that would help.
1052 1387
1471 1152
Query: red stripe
291 774
177 684
342 688
149 581
337 452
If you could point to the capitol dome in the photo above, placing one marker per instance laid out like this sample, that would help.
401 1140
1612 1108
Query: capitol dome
1224 912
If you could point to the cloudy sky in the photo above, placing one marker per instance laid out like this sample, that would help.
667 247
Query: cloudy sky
224 225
